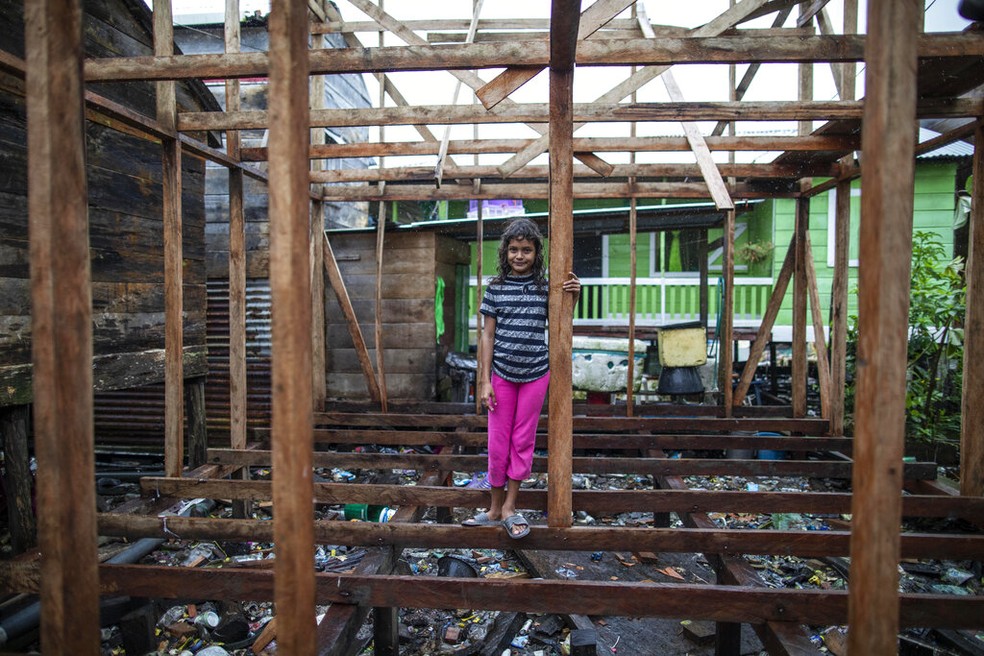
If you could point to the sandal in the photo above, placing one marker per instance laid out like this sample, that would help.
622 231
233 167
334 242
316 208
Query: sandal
481 519
516 521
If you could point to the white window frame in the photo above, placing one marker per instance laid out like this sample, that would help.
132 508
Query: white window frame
740 228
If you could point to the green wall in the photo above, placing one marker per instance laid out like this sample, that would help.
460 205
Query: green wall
933 206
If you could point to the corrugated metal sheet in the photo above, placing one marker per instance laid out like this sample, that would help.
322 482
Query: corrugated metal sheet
257 357
135 417
954 149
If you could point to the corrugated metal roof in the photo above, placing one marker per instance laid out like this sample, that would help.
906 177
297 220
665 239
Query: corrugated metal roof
954 149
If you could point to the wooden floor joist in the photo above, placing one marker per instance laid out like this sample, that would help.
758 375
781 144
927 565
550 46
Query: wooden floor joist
710 602
591 501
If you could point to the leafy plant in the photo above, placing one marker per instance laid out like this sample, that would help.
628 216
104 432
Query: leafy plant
754 252
934 366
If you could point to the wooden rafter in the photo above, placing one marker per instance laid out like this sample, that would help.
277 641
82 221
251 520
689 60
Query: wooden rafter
708 169
634 82
516 76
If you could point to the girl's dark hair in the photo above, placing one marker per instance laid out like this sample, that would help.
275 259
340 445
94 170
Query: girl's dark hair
523 229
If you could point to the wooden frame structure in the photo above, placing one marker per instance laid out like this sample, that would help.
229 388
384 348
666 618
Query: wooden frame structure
56 74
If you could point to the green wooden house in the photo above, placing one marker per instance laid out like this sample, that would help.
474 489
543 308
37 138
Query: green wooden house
674 238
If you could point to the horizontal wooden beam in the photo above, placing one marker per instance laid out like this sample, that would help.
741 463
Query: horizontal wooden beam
461 25
104 111
700 602
590 144
535 190
638 171
578 538
805 425
583 113
620 33
606 441
667 51
582 465
592 501
534 28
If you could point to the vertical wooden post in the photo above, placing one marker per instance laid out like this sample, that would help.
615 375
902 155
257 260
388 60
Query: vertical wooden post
727 635
839 299
18 481
479 247
633 229
378 328
799 364
704 276
292 433
167 116
237 312
237 253
819 338
630 374
725 331
197 432
849 69
888 143
805 79
972 424
563 38
842 243
61 327
386 631
318 345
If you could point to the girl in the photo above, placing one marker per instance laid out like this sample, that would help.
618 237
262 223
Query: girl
514 369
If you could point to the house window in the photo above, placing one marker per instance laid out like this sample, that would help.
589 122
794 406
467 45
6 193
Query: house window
674 252
588 255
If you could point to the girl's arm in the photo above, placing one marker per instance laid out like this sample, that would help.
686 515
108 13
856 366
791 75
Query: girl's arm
484 386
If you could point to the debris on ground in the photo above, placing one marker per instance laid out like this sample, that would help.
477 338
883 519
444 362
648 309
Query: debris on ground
217 628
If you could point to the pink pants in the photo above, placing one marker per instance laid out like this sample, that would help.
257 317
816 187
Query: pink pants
512 428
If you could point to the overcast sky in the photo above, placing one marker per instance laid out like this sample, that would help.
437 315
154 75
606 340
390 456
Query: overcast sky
697 82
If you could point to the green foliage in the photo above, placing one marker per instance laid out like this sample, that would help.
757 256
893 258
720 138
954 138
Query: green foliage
934 367
754 252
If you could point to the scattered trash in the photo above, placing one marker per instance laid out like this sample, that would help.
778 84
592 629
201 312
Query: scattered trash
455 566
566 573
701 632
956 576
672 573
835 640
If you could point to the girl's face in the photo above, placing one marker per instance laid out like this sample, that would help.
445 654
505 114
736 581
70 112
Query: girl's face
520 254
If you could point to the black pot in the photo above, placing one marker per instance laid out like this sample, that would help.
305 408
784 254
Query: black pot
680 380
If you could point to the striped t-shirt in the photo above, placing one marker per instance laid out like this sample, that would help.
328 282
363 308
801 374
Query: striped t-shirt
519 306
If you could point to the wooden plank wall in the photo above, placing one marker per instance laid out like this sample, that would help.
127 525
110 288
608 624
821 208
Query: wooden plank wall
412 263
125 209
